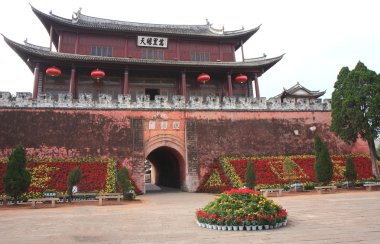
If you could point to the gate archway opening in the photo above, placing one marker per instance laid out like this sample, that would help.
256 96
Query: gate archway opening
166 167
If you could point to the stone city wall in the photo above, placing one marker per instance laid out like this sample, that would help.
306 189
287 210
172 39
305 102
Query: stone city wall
44 100
198 132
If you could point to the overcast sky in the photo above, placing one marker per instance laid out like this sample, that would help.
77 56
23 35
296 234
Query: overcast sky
318 37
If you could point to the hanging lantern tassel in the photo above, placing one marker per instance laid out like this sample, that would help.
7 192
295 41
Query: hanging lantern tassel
241 79
97 74
203 78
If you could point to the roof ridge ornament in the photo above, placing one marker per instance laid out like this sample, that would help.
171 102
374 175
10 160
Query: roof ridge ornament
76 15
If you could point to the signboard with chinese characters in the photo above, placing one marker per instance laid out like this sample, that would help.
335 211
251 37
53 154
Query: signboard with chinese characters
152 41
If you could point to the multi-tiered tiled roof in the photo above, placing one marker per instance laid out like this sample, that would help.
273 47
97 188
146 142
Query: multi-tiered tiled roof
81 21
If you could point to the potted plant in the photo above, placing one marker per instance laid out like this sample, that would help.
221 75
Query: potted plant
228 222
219 222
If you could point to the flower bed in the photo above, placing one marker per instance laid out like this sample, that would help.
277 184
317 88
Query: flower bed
270 171
215 180
241 209
51 174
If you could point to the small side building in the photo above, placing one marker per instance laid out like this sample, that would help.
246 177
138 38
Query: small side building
299 92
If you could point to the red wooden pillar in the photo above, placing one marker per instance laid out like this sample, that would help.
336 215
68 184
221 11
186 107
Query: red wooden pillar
230 94
183 84
126 80
76 44
247 89
51 36
257 86
177 50
126 48
36 78
72 81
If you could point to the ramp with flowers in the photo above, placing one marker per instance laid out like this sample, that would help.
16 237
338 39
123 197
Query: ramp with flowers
241 209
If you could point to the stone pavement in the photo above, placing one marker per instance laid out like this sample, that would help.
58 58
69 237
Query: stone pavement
345 217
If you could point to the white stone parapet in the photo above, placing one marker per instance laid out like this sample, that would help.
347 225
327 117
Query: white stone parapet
105 101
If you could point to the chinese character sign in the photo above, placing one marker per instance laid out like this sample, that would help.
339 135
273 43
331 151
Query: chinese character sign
152 41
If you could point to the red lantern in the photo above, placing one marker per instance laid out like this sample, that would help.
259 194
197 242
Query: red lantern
97 74
241 79
203 78
53 71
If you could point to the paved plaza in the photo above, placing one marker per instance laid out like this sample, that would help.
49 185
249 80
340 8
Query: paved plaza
344 217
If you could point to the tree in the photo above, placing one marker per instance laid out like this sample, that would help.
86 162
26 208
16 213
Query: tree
17 177
323 167
356 108
350 173
73 179
250 176
125 183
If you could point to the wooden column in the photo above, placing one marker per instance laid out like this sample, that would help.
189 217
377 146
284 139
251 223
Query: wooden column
257 86
36 78
220 52
177 50
230 93
51 37
183 84
76 44
242 50
72 81
126 80
59 42
126 48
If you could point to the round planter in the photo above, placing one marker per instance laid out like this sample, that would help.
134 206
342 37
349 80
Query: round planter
259 227
241 227
224 227
266 227
229 227
219 227
254 227
248 227
235 227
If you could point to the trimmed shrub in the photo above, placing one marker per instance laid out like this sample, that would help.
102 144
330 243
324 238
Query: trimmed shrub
350 173
250 176
323 167
17 177
73 179
125 184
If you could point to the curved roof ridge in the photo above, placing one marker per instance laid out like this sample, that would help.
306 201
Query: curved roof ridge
91 19
36 46
82 21
24 51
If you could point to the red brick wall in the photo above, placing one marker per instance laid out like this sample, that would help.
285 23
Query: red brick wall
124 135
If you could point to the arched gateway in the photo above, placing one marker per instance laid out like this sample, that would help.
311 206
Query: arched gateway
166 153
